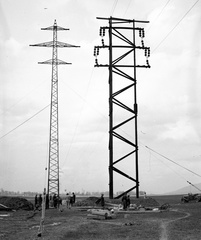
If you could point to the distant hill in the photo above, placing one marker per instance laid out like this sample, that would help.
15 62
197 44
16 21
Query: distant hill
186 190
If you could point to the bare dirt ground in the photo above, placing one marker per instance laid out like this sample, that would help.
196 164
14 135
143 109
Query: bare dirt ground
182 221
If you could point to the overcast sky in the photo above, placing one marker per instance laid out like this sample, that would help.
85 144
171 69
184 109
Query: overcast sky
169 94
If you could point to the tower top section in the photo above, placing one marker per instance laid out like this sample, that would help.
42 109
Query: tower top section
55 27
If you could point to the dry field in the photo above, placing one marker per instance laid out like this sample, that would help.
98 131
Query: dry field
182 221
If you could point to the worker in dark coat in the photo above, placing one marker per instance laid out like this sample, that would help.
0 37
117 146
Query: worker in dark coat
47 201
40 201
74 197
55 201
36 202
124 201
128 201
102 201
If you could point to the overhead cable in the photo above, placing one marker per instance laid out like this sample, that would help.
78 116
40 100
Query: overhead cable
172 161
175 26
24 122
113 7
180 175
158 15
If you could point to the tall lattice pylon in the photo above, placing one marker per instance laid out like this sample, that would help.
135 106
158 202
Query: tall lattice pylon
53 165
122 67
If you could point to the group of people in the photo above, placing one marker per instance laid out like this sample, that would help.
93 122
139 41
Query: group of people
54 201
70 200
38 201
126 201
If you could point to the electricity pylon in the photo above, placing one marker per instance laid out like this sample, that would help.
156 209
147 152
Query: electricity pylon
122 64
53 165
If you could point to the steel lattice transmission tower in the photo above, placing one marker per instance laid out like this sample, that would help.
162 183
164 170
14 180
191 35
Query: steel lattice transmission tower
122 69
53 165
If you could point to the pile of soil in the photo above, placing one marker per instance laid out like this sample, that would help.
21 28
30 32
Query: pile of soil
90 201
144 202
16 203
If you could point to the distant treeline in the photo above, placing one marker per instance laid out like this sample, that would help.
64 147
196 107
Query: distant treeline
83 193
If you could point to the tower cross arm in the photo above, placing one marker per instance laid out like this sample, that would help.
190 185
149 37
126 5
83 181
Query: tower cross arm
45 44
62 44
57 62
51 44
55 27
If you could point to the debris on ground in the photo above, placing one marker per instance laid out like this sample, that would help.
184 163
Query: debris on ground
100 214
16 203
136 202
4 208
165 206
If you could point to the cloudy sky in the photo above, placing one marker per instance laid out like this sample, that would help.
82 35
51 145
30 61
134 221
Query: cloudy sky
168 94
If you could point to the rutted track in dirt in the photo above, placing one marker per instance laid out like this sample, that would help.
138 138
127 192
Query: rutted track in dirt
165 224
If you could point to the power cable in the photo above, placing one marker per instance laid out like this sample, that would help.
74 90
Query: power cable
168 166
127 8
172 161
84 102
158 15
113 7
16 103
178 174
175 26
24 122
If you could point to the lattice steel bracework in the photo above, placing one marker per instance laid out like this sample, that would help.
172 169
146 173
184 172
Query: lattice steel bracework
53 166
117 67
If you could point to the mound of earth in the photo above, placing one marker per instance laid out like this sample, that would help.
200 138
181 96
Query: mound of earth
90 201
16 203
145 202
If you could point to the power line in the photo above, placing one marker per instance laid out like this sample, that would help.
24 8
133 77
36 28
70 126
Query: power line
18 101
158 14
172 161
113 7
178 174
175 26
167 165
24 122
127 8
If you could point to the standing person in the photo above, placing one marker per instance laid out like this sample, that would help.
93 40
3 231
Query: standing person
124 201
40 201
128 201
47 201
50 201
36 200
59 203
74 197
54 200
67 200
71 201
102 201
